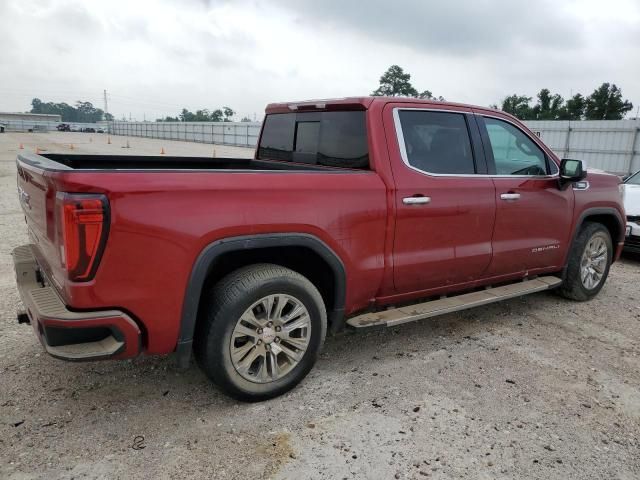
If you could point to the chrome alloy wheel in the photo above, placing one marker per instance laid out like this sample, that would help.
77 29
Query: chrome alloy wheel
270 338
593 263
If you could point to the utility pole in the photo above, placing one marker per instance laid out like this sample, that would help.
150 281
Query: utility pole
106 107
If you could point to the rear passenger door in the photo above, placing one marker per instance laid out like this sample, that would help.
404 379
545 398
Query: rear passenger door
444 210
533 216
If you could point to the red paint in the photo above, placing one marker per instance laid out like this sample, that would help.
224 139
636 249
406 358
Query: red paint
161 221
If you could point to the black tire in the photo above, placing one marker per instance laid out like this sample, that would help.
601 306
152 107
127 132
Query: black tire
225 303
573 287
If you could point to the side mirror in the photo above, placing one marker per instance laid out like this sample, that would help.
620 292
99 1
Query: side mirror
572 170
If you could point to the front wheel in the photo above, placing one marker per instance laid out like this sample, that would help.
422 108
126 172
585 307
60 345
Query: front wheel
261 331
589 262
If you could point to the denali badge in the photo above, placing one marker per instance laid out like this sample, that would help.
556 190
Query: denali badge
545 248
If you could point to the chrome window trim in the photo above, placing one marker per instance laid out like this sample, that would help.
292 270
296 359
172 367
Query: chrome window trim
405 157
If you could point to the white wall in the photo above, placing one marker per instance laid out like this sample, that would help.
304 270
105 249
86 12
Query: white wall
610 145
243 134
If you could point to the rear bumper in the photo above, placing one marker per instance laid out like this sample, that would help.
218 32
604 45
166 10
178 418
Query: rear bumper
66 334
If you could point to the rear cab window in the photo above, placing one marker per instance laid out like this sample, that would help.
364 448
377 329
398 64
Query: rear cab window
332 139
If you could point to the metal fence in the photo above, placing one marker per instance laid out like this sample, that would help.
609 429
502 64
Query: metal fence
242 134
610 145
45 126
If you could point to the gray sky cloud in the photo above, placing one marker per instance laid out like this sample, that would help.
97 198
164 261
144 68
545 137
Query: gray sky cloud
154 57
455 27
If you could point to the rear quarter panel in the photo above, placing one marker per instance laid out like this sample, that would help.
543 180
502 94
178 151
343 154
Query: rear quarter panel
161 221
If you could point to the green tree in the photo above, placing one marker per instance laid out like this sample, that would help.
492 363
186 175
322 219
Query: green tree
606 103
245 119
82 112
216 116
549 107
518 106
186 116
574 109
427 95
395 83
224 114
228 114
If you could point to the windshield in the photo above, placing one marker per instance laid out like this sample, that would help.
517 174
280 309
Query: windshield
633 179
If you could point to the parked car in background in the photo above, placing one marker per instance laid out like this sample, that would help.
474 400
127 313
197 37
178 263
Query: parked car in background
3 127
350 210
63 127
632 207
89 130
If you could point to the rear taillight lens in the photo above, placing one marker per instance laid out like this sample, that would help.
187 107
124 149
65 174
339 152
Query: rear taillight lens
83 222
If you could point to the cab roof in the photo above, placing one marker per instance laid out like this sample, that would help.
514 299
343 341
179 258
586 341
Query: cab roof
358 103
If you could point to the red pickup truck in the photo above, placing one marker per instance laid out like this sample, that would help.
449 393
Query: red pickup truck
367 212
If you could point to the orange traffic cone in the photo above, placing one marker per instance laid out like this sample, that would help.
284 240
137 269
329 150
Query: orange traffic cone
71 146
162 151
109 140
21 147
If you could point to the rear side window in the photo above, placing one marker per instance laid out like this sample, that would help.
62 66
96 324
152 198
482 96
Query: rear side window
437 142
514 153
336 139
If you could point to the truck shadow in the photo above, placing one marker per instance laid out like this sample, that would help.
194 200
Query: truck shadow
156 381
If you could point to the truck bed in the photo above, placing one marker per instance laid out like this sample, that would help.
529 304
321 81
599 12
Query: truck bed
66 162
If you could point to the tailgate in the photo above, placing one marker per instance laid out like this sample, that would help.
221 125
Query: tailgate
68 229
37 198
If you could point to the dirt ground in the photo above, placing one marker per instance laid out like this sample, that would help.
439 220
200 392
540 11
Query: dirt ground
537 387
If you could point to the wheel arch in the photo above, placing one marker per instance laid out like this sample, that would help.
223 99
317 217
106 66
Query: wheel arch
607 216
321 263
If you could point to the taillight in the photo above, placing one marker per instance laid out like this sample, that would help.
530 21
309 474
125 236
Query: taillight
83 222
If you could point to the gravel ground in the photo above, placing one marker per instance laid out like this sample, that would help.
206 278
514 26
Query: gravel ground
536 387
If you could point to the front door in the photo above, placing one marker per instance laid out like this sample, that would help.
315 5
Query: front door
444 210
533 216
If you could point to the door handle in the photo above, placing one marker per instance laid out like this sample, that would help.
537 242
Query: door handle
510 196
416 200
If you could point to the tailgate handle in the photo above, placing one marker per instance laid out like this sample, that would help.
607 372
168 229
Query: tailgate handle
421 200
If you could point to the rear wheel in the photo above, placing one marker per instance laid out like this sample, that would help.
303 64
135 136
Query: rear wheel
589 262
261 331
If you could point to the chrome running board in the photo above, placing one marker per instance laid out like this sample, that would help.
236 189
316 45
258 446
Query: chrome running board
433 308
